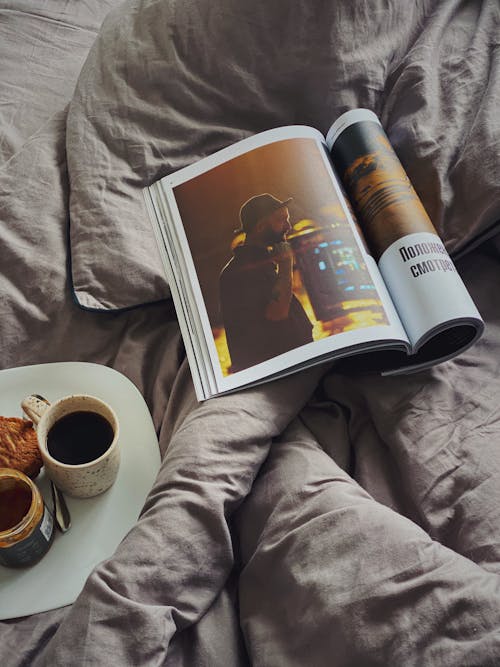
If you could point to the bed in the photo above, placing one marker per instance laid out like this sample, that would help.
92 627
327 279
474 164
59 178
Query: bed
322 519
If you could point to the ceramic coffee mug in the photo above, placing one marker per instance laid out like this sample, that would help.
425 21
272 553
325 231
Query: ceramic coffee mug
78 440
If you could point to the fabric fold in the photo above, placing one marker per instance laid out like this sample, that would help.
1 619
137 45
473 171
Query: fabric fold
179 556
332 577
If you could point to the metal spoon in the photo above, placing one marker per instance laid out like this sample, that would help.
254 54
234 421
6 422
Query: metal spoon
61 512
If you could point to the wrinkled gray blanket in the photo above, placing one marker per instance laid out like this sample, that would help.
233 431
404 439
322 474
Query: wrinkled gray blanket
321 519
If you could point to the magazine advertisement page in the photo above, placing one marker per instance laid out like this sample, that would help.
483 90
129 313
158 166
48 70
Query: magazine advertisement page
425 286
272 267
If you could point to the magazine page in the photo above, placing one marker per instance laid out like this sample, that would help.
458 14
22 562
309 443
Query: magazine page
432 301
273 270
157 208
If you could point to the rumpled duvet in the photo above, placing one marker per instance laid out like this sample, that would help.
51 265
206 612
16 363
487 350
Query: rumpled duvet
323 519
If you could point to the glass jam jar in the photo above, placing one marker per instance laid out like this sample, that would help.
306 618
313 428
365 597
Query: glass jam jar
26 525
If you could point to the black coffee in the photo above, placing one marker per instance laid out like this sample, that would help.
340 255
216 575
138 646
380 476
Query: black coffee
79 437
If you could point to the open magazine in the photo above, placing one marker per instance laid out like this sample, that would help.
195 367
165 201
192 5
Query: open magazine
288 249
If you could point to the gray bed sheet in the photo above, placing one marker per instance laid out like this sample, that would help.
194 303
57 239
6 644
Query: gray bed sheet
318 520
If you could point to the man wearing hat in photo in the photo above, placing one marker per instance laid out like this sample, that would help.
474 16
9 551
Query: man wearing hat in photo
262 317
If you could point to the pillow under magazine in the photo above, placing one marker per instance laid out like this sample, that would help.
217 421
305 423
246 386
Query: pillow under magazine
169 82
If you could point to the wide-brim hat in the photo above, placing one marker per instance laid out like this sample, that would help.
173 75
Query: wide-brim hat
258 207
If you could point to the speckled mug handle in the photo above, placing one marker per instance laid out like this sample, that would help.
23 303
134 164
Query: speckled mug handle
34 406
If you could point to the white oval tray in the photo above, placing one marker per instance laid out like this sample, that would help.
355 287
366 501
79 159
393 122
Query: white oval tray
98 524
